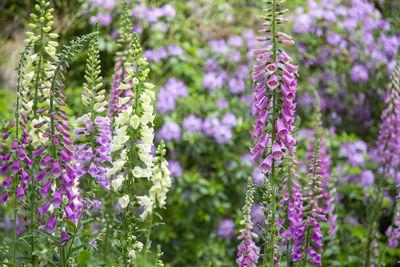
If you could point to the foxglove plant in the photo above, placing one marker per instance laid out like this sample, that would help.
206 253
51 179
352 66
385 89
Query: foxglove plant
132 143
17 157
248 251
274 111
123 45
93 132
388 149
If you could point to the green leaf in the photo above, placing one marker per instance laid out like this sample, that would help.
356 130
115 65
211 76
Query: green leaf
83 257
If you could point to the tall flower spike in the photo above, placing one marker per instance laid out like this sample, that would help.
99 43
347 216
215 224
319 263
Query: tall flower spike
122 55
388 146
92 156
313 212
19 161
57 156
274 91
161 183
387 151
248 252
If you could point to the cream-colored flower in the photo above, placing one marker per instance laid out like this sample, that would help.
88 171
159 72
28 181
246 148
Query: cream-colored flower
124 201
134 121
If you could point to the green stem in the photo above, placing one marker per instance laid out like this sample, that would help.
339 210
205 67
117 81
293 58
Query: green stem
373 220
306 247
15 228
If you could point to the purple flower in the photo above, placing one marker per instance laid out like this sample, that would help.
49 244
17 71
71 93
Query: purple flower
192 123
43 209
169 131
64 238
258 177
212 81
209 126
226 229
229 119
175 168
51 224
236 86
20 193
222 134
359 73
235 41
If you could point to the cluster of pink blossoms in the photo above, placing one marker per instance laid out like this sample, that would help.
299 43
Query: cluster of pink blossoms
272 75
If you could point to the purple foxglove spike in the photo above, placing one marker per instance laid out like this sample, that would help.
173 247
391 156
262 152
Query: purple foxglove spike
255 157
12 124
4 168
93 170
14 146
51 224
15 166
67 141
20 193
276 151
57 199
68 212
25 176
46 134
40 176
38 152
7 182
55 117
66 126
55 140
21 153
64 238
44 162
44 191
43 209
273 82
4 198
6 135
40 111
56 170
25 133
